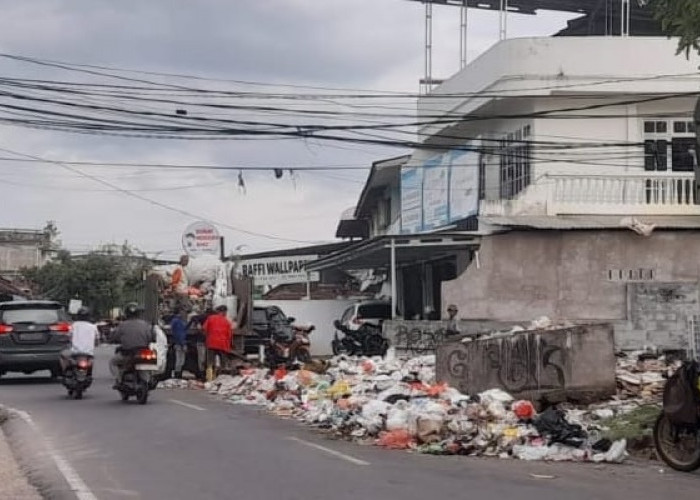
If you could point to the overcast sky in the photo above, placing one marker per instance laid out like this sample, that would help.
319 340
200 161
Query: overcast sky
353 44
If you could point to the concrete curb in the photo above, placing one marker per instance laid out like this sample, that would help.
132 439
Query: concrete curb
43 467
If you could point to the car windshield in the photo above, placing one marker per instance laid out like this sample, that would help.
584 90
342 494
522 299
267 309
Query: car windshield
378 311
40 315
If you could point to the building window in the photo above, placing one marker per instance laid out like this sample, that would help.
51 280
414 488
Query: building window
514 152
669 143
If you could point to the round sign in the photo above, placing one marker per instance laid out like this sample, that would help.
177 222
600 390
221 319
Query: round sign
201 238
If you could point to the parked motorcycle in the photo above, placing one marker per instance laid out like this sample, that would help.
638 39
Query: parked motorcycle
288 346
138 378
366 341
677 429
78 375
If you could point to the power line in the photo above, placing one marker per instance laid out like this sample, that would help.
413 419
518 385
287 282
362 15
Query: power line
157 203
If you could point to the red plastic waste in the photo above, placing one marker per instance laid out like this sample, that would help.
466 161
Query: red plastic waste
524 410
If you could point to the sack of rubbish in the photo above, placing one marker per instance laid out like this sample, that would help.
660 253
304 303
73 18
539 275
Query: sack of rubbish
397 417
552 423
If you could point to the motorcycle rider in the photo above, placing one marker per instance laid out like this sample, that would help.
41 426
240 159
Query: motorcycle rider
131 334
83 338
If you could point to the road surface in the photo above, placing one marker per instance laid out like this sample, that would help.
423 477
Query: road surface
186 445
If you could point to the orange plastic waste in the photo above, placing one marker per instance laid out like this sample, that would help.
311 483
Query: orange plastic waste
437 389
396 440
280 373
305 377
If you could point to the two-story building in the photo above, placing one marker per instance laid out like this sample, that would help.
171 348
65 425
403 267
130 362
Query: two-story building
567 164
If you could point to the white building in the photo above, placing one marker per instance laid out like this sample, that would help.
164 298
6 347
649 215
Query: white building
571 126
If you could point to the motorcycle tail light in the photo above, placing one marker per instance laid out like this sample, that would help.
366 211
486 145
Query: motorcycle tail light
147 355
84 363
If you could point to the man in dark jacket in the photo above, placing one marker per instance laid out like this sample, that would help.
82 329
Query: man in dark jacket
131 334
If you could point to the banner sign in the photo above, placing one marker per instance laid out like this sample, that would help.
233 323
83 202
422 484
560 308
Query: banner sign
442 190
411 199
274 271
201 238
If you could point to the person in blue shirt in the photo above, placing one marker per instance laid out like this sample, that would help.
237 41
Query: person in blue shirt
178 327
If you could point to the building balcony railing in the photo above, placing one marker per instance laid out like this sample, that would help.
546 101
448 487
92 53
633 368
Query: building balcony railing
627 194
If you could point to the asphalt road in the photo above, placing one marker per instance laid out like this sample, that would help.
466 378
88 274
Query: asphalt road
187 445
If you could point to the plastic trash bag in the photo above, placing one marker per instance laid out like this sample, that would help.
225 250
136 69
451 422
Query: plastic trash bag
397 417
524 410
396 440
551 423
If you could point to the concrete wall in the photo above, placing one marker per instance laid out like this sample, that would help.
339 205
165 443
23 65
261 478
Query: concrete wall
320 313
14 257
565 275
658 315
571 364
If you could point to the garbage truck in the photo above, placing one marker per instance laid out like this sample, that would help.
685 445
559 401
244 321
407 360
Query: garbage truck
211 283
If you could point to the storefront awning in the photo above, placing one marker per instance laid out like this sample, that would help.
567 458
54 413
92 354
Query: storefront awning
375 253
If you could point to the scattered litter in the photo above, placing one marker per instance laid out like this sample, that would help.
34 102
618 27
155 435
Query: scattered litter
398 404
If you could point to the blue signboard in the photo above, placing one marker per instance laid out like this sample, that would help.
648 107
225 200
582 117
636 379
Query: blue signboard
411 200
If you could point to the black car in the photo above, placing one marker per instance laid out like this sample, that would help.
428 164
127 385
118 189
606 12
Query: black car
32 336
268 321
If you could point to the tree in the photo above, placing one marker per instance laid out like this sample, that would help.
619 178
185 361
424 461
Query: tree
680 18
102 279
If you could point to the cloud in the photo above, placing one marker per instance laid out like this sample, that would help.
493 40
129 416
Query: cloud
335 43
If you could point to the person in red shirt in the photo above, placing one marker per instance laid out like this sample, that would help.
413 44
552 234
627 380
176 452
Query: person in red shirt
218 333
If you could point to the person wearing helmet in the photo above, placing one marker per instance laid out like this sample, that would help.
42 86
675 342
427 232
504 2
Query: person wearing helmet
84 335
133 333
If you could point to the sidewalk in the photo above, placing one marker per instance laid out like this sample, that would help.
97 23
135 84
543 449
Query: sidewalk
13 484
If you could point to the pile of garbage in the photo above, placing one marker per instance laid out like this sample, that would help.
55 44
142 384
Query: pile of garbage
397 404
643 375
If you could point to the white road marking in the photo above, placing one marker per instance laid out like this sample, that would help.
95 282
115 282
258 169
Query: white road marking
337 454
81 490
187 405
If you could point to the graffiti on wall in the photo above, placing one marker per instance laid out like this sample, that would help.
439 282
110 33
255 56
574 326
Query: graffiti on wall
518 364
418 341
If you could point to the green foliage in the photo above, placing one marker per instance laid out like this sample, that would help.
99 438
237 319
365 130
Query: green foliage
633 425
103 279
680 18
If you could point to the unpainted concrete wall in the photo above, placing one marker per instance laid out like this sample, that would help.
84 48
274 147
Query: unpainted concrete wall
564 275
576 363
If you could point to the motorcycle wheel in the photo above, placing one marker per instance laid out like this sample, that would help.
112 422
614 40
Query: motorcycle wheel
70 393
679 448
125 395
78 394
338 348
142 395
373 345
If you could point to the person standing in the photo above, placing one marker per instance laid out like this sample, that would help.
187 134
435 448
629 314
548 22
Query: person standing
178 327
218 333
180 284
452 328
